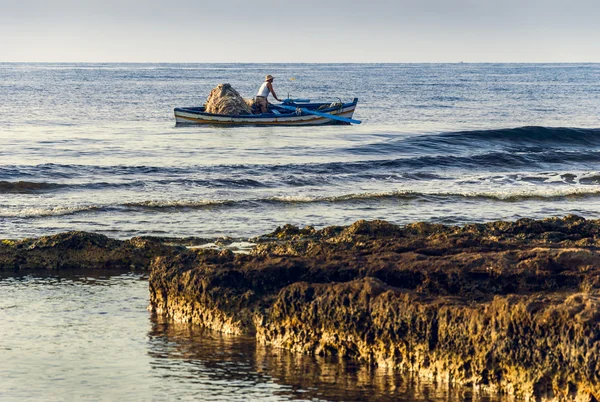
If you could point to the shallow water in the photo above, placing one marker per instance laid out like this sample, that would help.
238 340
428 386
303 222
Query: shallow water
91 338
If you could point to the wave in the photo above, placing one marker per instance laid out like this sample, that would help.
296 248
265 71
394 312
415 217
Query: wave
503 149
423 168
23 187
7 187
182 204
551 195
497 161
531 138
168 206
594 179
530 134
32 213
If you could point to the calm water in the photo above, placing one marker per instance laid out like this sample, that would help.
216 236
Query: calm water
90 338
94 147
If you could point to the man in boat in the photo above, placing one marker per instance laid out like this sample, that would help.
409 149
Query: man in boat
263 93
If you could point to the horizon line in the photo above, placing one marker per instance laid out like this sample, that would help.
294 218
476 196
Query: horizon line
299 62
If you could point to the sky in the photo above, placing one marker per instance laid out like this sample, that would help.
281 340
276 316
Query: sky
284 31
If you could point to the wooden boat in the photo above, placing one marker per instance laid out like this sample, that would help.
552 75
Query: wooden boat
289 113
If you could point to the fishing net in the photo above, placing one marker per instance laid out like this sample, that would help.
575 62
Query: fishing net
226 100
334 104
249 102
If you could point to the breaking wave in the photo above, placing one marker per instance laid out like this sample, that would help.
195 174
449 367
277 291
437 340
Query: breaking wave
256 176
413 157
167 206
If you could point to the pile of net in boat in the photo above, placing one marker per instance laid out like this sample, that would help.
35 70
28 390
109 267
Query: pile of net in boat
226 100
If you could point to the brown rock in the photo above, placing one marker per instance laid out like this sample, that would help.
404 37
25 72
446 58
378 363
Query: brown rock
506 306
79 251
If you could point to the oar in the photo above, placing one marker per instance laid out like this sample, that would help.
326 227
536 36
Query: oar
286 101
329 116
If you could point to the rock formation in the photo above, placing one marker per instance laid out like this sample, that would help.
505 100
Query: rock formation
79 251
512 307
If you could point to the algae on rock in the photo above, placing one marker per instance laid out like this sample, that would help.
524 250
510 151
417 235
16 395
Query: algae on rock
79 251
506 306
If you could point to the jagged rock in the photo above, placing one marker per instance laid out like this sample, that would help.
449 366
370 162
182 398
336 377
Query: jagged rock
506 306
79 251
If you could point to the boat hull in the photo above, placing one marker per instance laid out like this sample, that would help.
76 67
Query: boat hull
198 116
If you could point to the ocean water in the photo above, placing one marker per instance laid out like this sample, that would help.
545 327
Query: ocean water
94 147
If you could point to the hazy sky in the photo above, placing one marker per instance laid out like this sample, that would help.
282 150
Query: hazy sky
300 31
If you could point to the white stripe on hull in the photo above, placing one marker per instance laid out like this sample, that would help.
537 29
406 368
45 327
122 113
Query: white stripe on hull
197 118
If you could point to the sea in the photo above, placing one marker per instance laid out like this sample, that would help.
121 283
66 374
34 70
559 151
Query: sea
94 147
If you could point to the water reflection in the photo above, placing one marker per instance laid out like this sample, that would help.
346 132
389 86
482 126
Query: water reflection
90 337
236 368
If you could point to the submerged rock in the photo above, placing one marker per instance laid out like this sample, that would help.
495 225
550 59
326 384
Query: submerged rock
506 306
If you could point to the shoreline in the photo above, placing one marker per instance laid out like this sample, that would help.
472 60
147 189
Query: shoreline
508 307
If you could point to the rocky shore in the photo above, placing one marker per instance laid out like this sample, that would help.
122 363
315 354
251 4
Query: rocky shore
507 307
510 307
80 251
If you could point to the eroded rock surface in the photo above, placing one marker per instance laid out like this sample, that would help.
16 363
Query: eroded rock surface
79 251
507 306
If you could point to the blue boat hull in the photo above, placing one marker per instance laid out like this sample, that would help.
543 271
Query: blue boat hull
278 116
